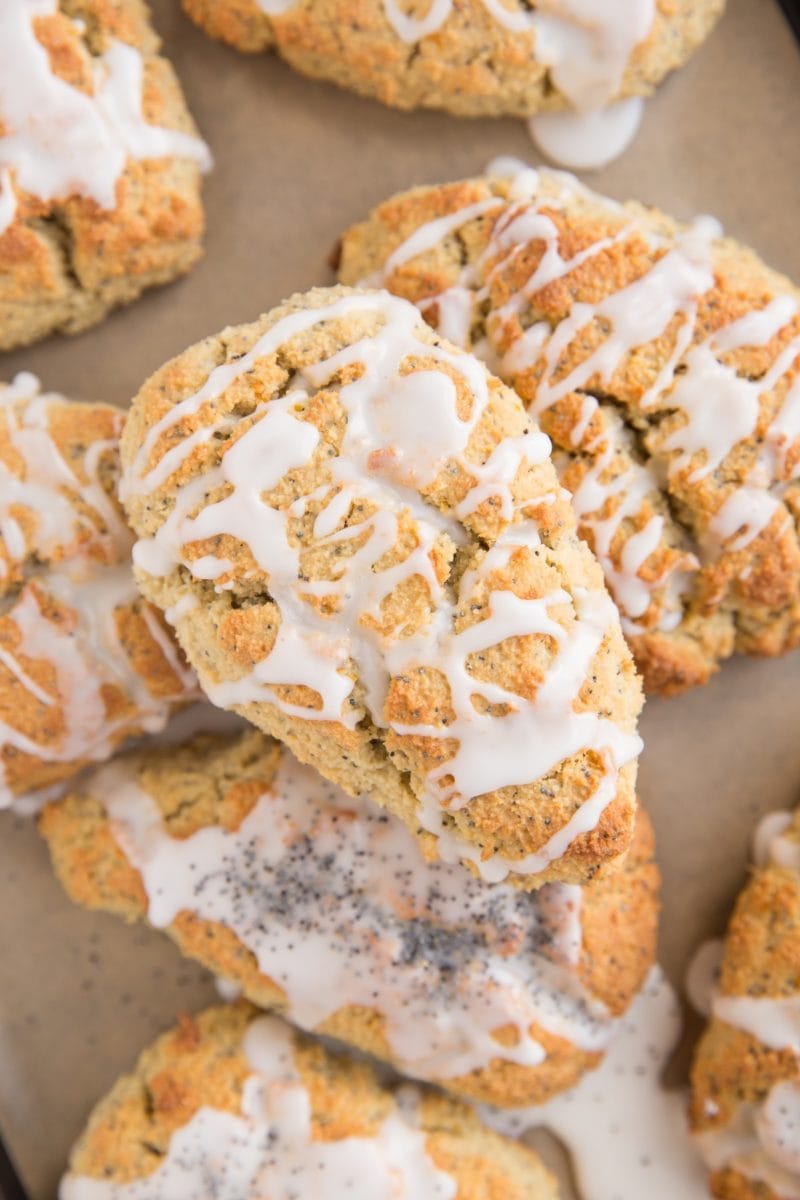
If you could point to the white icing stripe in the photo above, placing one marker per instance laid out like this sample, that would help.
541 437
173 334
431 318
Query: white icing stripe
772 1020
269 1148
59 141
317 885
719 409
382 461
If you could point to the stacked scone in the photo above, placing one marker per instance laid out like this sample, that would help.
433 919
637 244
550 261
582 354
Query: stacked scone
361 543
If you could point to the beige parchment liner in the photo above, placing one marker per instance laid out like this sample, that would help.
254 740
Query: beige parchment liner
296 163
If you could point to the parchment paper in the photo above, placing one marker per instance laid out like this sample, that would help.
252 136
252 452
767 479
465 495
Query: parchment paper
296 162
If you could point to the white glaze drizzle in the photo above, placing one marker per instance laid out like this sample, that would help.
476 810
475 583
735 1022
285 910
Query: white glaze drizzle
268 1148
626 1133
90 578
317 885
721 408
59 141
383 459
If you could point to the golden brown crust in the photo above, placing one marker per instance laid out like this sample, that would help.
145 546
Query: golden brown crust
65 263
743 597
235 624
201 1063
215 782
471 66
86 663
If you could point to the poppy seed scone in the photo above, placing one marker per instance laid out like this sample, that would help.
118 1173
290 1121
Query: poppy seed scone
274 879
84 662
745 1106
236 1105
361 543
664 363
99 165
474 57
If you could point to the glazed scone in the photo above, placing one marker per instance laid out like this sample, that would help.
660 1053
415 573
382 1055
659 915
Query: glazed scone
275 879
745 1108
99 165
84 662
236 1105
476 58
363 547
664 363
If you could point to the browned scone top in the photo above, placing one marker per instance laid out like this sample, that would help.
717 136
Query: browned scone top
746 1071
664 363
84 661
236 1104
347 890
100 189
365 551
471 58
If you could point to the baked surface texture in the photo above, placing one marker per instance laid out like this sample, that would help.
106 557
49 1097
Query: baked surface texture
746 1072
494 993
361 542
179 1117
100 190
477 58
84 662
664 363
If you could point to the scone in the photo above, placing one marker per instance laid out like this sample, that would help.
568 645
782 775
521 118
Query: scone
84 662
275 880
474 58
745 1108
235 1105
364 549
664 363
99 165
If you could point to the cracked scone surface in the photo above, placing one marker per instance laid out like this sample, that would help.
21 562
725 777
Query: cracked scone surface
272 879
84 661
100 191
745 1096
236 1102
664 363
361 542
473 59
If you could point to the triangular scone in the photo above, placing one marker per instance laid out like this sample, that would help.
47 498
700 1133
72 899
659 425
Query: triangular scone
474 57
662 360
745 1106
84 662
360 539
234 1104
99 165
275 880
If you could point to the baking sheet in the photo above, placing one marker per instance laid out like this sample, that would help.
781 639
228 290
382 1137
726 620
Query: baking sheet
296 162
